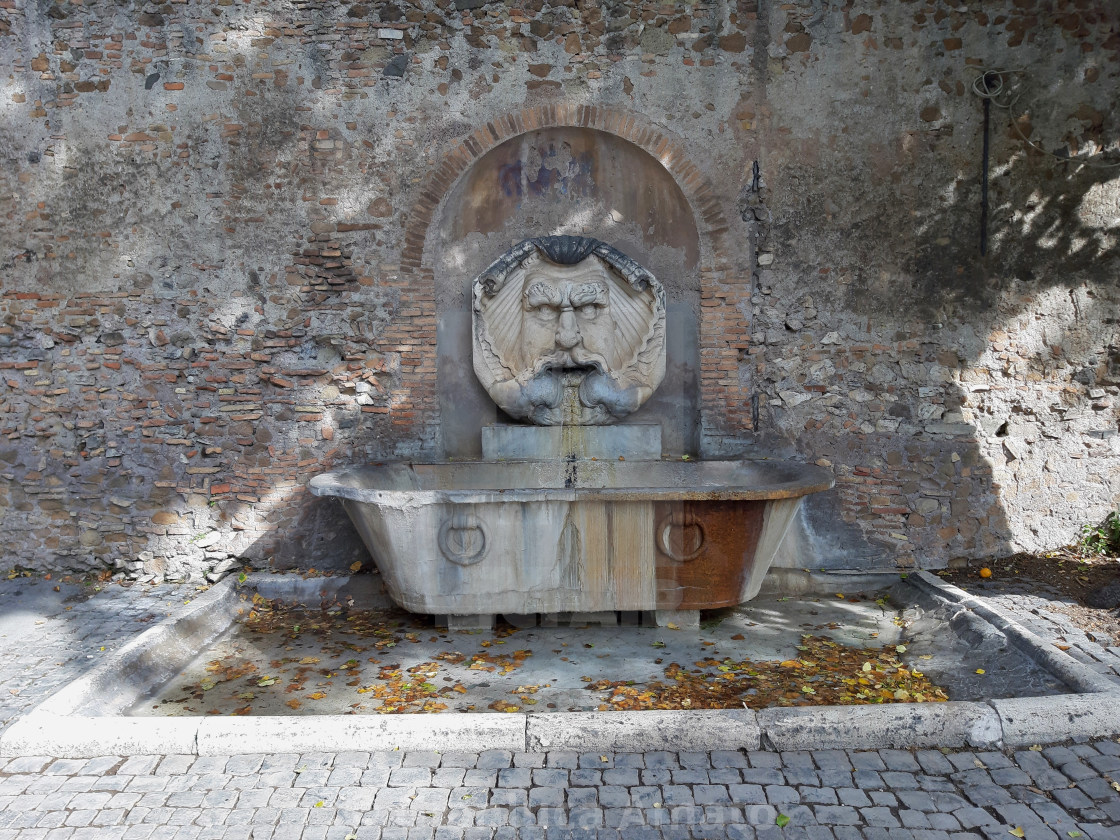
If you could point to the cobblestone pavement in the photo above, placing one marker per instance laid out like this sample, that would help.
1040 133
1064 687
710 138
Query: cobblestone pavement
1058 792
925 795
49 638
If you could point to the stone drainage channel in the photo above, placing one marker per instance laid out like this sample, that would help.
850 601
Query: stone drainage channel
1009 687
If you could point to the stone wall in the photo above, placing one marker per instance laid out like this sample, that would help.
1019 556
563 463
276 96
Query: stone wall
214 280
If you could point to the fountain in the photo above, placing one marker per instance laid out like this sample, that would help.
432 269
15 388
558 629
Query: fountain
570 510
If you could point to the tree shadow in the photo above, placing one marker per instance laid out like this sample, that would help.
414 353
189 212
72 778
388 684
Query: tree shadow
961 396
1051 225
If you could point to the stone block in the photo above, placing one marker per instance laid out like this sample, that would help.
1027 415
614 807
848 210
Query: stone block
1042 720
465 622
905 725
231 736
78 737
631 441
673 619
644 731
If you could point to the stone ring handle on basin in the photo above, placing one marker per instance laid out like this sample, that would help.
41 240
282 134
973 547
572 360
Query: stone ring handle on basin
680 537
464 539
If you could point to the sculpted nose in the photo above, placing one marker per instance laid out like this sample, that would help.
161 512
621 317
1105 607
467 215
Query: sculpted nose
567 331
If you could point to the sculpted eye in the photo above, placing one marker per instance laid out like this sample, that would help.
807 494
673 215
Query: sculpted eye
541 296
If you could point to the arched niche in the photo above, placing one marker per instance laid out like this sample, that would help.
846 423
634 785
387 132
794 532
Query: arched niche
577 181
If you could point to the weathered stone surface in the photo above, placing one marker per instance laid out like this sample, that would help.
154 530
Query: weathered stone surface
451 539
1106 597
629 441
262 204
568 331
846 727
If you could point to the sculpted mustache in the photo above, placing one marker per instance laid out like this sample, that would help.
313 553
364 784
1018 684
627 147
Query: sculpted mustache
578 357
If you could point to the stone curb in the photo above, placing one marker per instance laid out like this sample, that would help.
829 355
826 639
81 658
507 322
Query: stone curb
365 589
73 723
1025 721
367 733
1010 723
1078 676
643 731
152 658
904 726
59 736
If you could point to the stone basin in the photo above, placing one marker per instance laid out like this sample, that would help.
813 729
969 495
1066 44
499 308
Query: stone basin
525 537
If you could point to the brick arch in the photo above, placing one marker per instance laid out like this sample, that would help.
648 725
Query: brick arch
711 223
725 407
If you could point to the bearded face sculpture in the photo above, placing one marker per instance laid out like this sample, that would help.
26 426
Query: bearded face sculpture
568 330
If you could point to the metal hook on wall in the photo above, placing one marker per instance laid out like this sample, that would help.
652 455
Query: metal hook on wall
992 84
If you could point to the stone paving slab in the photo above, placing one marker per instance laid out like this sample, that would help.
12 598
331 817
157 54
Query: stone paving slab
550 665
1065 791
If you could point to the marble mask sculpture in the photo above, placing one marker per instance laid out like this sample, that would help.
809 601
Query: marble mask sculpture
568 330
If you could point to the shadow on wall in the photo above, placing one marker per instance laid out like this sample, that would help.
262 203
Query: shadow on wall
192 370
1038 378
968 402
1051 224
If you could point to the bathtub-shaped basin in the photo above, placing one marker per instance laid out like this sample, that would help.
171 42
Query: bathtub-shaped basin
520 537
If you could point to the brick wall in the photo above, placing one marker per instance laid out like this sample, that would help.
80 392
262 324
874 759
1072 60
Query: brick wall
213 281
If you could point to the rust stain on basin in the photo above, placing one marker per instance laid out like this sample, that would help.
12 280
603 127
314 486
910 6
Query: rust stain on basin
705 552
